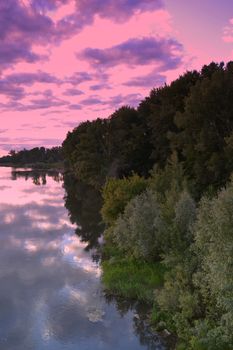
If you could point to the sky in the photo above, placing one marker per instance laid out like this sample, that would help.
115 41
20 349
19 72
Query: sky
65 61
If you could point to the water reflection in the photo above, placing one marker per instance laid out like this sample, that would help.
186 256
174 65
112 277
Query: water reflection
83 203
39 177
50 290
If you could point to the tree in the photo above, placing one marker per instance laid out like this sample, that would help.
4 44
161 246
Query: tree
117 193
137 231
214 248
205 123
159 110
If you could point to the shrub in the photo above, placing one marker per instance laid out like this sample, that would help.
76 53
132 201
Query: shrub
138 230
214 248
117 193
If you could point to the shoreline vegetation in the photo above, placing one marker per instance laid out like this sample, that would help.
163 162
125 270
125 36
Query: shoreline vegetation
36 158
164 171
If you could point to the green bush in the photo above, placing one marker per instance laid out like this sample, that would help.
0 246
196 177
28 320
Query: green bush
137 232
169 180
177 299
117 193
198 289
214 248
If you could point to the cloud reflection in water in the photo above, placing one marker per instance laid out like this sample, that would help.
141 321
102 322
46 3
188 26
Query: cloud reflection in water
50 289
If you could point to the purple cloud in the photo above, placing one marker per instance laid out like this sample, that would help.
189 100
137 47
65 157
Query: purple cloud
58 111
73 92
47 5
11 91
166 53
119 100
23 24
20 27
47 93
116 10
15 52
92 100
100 86
75 106
46 102
112 102
20 19
31 78
10 85
78 78
43 103
150 80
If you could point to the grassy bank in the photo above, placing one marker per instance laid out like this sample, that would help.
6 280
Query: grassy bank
130 278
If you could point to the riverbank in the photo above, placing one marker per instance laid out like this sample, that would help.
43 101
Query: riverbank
136 281
130 278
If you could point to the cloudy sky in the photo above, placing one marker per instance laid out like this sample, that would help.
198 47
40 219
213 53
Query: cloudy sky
65 61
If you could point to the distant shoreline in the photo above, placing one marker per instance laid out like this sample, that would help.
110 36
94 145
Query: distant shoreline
36 166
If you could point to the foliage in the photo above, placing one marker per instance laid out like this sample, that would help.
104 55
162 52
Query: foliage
175 297
138 230
159 110
92 150
197 294
170 185
37 155
86 151
214 248
117 193
204 126
169 179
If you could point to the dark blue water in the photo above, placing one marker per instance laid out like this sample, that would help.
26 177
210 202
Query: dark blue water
50 287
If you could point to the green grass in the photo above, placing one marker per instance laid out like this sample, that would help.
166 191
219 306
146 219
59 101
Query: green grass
130 278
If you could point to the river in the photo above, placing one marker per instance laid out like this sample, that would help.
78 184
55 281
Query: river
51 296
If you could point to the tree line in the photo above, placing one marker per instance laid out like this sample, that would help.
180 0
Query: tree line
36 155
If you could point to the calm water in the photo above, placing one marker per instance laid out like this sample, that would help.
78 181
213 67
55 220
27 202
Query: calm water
50 288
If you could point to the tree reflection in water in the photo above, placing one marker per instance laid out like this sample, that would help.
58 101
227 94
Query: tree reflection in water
141 324
83 203
39 177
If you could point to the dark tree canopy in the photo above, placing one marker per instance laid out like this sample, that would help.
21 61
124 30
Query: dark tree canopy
193 116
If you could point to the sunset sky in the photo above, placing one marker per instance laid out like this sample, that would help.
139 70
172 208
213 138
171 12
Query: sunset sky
66 61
